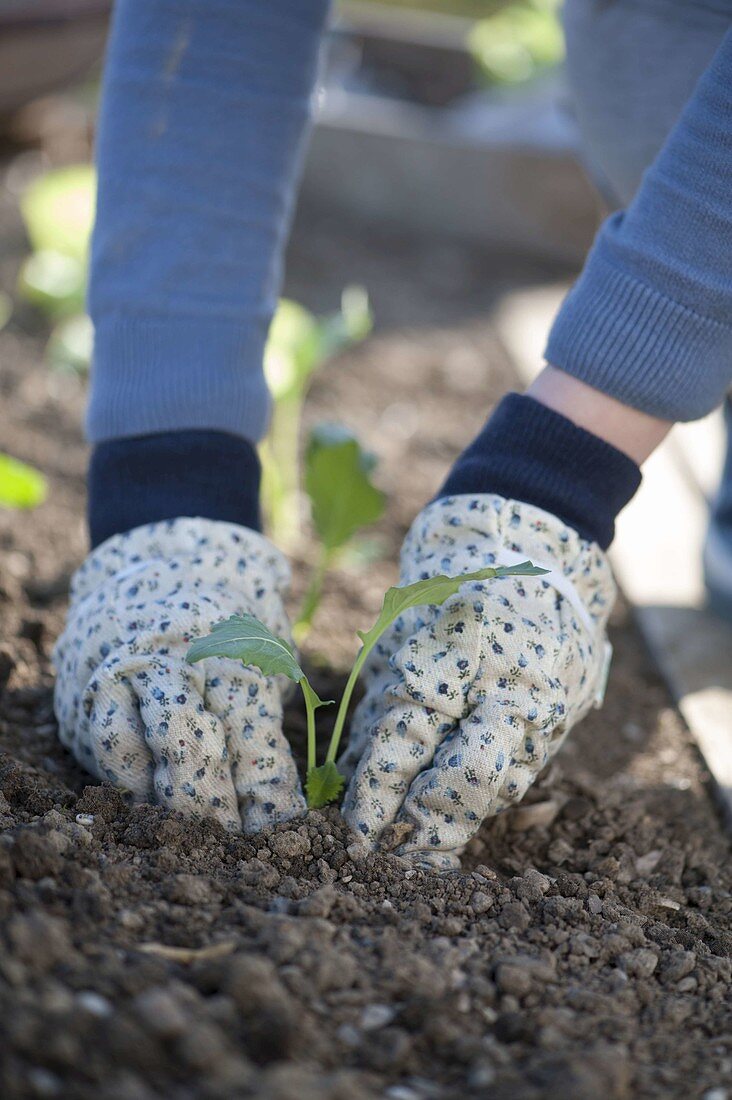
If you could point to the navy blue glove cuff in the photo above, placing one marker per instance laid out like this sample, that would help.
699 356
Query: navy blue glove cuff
148 478
530 453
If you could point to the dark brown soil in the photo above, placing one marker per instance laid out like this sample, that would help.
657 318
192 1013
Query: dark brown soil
585 950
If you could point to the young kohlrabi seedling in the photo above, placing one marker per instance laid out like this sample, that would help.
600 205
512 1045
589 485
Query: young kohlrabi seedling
247 639
297 347
342 501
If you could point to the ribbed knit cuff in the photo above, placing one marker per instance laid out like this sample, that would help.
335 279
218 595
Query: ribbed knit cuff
171 374
629 341
208 475
530 453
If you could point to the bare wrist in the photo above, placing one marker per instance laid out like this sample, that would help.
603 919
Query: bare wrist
631 431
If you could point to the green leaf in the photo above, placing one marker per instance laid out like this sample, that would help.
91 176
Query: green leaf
342 498
20 485
312 699
246 639
350 326
293 350
517 42
58 210
298 342
356 312
6 309
363 551
435 590
70 345
323 785
53 282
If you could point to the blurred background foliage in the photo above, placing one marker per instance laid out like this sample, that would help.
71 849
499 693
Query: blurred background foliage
466 9
518 41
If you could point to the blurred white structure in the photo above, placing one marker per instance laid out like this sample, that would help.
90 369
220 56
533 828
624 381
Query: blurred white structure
494 166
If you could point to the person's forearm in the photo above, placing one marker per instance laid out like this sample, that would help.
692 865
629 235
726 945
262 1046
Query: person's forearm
204 113
649 321
631 431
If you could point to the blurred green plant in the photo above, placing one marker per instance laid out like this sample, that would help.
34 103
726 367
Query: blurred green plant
518 42
70 344
342 501
53 283
468 9
58 212
21 486
297 346
6 309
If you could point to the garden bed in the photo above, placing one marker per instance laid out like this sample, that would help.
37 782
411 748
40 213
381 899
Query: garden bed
583 952
409 134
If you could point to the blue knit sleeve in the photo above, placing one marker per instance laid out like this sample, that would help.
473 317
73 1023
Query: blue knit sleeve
650 319
202 129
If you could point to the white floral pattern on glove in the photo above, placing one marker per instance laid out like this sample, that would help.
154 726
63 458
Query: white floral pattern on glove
205 739
466 703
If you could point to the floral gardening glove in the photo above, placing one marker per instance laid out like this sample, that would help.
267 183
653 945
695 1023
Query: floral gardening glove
205 739
465 703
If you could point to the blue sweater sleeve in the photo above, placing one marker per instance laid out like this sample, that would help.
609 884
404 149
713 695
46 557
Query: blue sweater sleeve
203 121
650 319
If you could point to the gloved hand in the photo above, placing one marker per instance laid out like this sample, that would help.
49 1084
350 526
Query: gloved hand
205 739
465 703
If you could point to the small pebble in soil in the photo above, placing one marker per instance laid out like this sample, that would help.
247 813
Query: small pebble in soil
640 963
374 1017
677 965
481 902
44 1083
394 835
358 851
481 1076
187 889
349 1035
94 1004
290 845
537 879
162 1012
319 903
513 979
631 732
536 815
594 904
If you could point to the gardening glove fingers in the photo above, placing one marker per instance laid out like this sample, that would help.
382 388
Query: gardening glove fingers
158 738
402 722
468 781
483 689
135 713
263 770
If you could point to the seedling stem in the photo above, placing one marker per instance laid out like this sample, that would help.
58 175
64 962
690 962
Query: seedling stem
247 639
